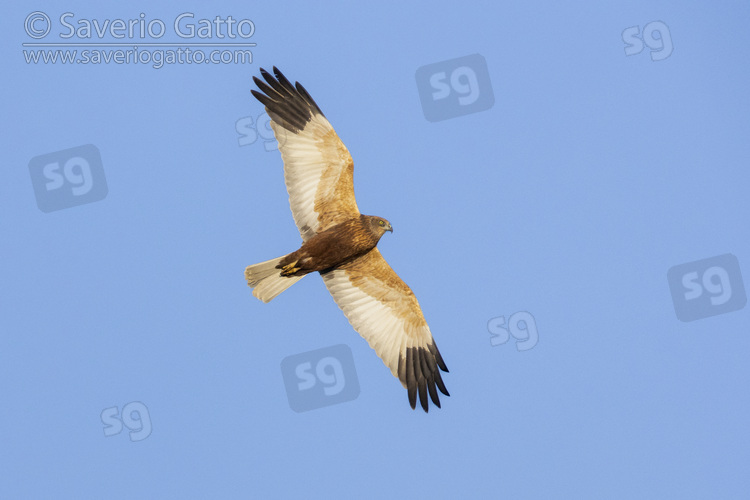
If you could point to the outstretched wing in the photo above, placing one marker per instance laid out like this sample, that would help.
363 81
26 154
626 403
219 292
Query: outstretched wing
318 168
384 310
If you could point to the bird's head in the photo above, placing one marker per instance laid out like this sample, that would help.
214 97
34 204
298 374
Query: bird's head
379 226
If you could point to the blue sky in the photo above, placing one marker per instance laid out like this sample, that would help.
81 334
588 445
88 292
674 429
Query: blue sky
135 361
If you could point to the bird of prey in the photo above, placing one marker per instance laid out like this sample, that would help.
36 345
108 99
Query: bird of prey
341 244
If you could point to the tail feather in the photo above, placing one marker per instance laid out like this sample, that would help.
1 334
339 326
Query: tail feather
267 281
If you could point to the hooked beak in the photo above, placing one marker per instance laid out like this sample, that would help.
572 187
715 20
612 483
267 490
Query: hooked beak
389 228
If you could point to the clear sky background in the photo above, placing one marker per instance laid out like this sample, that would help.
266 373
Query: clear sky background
587 177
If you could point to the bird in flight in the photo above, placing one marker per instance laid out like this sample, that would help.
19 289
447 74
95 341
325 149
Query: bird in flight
341 243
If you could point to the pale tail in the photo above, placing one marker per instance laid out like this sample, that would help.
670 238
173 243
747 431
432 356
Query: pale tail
267 281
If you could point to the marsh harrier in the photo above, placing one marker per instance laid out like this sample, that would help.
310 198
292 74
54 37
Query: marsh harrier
341 244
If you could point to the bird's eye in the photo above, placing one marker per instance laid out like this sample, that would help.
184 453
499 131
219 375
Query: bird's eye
382 223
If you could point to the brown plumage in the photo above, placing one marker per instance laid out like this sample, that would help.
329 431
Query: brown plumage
335 246
341 244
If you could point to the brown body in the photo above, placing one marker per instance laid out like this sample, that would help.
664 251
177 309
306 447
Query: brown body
335 246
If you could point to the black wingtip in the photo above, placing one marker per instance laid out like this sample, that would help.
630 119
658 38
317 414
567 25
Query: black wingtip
285 103
419 371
